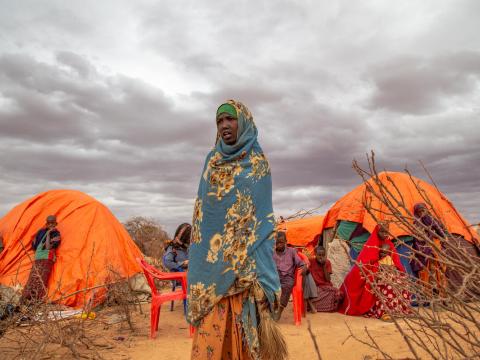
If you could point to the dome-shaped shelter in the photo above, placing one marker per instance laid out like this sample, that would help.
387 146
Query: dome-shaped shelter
303 232
354 223
95 249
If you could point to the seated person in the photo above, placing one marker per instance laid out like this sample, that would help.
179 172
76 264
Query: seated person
175 258
309 289
45 243
421 263
287 261
375 287
328 296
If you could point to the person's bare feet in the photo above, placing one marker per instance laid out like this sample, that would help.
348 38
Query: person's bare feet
312 309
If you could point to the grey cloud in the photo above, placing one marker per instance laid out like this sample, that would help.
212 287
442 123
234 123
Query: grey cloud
420 86
76 62
324 87
69 106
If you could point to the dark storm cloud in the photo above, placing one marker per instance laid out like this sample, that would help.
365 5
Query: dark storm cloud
69 106
73 126
118 100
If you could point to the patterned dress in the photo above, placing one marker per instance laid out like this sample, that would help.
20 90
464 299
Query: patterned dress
36 287
392 298
328 296
231 268
219 335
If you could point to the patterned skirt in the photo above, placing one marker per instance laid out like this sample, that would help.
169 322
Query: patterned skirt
36 287
219 335
328 298
392 303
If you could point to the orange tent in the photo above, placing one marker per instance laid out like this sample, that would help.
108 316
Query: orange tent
95 247
351 206
303 232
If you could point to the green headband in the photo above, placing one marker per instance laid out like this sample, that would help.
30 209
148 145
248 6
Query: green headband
227 108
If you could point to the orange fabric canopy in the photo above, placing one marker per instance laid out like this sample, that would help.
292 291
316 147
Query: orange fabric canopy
351 206
93 244
302 232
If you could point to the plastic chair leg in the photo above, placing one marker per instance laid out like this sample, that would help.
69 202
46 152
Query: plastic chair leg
172 304
296 309
154 318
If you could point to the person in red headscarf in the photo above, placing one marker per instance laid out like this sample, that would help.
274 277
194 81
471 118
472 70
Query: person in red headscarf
370 287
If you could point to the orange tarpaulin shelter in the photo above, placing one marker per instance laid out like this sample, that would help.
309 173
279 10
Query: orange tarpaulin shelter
95 249
303 232
412 191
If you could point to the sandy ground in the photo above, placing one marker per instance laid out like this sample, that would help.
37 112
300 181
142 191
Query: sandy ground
330 330
116 341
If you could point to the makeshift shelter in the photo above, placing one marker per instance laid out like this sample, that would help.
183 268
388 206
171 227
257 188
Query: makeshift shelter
352 222
95 249
303 232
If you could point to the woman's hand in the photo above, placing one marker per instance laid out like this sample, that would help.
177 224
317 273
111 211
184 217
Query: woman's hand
263 305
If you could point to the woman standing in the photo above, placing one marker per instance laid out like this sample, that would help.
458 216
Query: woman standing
45 243
232 280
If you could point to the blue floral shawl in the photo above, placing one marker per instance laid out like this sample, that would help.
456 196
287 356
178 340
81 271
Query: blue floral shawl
233 230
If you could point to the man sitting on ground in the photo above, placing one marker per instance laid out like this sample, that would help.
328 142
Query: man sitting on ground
287 261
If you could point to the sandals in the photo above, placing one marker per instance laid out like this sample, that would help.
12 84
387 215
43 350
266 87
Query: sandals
386 318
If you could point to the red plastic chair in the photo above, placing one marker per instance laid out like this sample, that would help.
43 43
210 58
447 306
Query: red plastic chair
158 298
297 293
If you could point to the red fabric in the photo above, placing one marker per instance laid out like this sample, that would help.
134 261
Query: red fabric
393 303
317 272
359 297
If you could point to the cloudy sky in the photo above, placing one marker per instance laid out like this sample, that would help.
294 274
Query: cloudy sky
117 98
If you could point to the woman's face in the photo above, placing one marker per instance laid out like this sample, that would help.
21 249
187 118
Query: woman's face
422 212
51 224
180 239
227 127
382 233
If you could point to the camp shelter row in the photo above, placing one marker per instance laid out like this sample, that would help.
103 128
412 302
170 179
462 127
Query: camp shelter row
348 219
97 250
